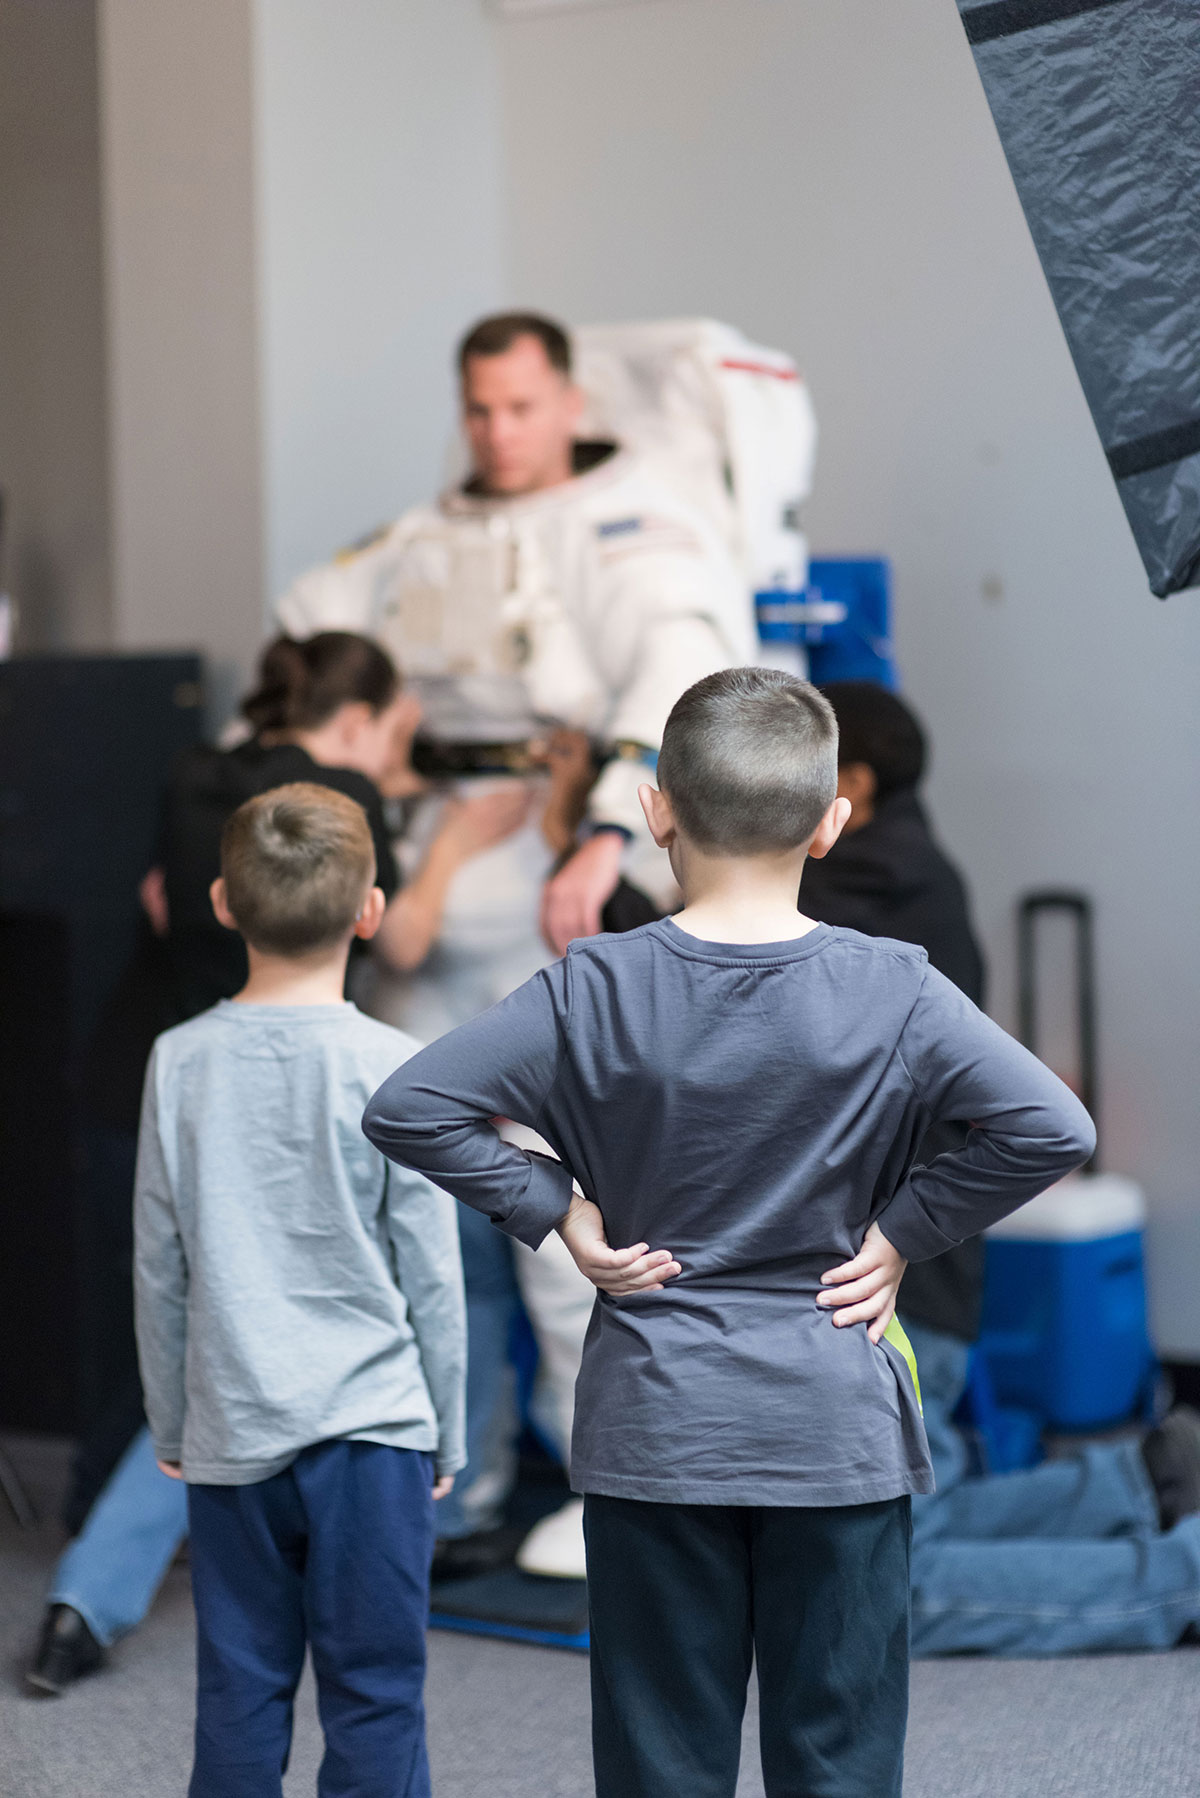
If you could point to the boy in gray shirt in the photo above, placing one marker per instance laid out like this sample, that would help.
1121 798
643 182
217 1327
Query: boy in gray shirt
300 1326
749 1088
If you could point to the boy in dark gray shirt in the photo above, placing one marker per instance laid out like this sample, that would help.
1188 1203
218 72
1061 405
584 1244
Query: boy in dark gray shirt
748 1088
300 1326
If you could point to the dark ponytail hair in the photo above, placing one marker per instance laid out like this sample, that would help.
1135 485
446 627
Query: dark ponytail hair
303 681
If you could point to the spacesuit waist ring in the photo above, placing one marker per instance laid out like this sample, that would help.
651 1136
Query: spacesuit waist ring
439 760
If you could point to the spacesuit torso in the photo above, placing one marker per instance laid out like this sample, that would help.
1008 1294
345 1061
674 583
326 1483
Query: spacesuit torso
592 604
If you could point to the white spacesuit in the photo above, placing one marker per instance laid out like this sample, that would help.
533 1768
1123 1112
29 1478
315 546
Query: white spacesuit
593 604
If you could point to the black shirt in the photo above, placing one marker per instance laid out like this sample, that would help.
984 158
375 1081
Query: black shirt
206 962
173 978
891 878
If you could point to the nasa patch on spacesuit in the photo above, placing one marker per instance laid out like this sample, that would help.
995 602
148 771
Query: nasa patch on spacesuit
646 534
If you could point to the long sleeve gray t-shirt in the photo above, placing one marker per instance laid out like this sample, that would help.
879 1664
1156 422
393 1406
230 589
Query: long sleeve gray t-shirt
752 1108
291 1285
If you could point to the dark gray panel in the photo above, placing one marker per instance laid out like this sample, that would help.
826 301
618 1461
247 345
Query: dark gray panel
1098 107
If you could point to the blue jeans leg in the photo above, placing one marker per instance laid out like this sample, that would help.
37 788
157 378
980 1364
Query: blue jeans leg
1064 1558
1101 1491
482 1486
1104 1490
112 1570
1046 1597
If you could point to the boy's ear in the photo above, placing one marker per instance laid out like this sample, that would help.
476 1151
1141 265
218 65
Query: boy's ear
659 817
220 905
371 916
829 829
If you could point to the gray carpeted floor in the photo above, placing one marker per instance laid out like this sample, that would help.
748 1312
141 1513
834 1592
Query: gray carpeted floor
512 1722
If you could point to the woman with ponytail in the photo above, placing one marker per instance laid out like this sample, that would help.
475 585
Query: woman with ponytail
329 709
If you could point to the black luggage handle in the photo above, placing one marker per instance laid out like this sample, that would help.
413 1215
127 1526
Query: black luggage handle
1079 907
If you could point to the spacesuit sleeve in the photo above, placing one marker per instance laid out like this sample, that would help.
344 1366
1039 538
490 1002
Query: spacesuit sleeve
669 619
338 596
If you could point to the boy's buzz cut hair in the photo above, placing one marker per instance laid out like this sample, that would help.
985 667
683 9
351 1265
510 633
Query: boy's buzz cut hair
297 862
749 761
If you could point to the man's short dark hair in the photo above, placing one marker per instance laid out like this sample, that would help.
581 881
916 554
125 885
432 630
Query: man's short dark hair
749 761
493 336
877 728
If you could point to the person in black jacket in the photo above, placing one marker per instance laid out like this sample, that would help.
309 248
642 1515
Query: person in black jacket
887 875
331 710
1099 1551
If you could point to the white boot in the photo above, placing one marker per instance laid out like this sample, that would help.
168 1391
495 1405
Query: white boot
554 1547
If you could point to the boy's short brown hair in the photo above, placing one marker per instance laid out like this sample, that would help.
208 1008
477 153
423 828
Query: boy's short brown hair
749 761
297 863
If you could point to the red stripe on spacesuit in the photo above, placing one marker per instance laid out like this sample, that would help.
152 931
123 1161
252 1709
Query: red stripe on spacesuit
762 368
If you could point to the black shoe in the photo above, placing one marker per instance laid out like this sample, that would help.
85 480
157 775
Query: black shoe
67 1650
1172 1456
462 1557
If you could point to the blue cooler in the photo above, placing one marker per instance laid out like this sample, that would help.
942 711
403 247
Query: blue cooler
1064 1314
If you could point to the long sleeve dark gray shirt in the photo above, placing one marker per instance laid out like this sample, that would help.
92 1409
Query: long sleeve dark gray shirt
752 1108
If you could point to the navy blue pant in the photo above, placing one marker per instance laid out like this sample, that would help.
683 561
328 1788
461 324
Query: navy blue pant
333 1553
682 1597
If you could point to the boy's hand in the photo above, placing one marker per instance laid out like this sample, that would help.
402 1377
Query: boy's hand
619 1271
442 1488
172 1469
867 1286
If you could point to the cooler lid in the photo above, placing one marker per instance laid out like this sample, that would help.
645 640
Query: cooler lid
1081 1208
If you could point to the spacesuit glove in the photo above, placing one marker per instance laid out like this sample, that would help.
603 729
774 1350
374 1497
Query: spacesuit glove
616 1271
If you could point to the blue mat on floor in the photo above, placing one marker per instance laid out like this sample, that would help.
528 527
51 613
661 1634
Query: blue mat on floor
522 1607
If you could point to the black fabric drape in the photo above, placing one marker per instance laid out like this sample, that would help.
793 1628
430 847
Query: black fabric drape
1097 103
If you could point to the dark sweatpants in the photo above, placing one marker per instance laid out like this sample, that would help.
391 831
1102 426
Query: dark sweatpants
683 1596
333 1553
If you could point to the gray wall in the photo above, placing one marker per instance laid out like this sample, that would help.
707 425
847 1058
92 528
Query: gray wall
52 413
379 208
828 178
177 106
301 209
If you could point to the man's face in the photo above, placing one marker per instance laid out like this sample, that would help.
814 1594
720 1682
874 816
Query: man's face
520 415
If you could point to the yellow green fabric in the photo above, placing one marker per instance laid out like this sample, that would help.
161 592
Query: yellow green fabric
895 1334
